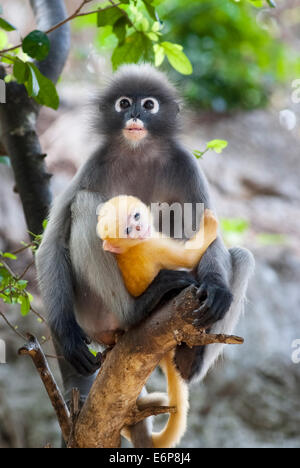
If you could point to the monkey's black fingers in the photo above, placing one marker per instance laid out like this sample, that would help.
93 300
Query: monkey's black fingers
217 302
84 361
201 292
210 316
86 339
165 285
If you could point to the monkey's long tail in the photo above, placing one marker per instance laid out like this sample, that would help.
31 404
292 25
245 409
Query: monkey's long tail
178 396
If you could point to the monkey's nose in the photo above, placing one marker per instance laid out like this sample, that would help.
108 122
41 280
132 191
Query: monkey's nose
135 116
138 228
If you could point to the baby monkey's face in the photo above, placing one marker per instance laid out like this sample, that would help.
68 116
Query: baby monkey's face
138 224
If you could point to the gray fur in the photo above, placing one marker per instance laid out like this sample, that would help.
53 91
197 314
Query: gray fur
77 278
242 267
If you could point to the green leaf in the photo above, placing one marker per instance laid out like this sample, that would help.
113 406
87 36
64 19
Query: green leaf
21 71
93 351
22 284
8 59
36 44
156 27
153 36
6 25
32 84
3 39
108 17
8 78
119 29
157 2
83 22
5 160
159 53
217 145
271 3
177 58
136 47
9 255
25 304
199 154
6 299
257 3
150 9
47 95
30 297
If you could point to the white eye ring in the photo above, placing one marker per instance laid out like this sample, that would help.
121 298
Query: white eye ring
155 102
118 103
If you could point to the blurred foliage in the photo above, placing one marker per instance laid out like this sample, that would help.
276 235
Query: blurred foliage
215 145
235 60
130 26
234 230
267 238
12 287
133 34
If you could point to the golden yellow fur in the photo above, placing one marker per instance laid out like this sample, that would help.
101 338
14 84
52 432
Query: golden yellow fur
140 258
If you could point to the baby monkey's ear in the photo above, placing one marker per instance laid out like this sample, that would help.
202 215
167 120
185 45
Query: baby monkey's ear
111 248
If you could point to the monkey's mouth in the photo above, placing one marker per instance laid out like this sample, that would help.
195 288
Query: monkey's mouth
143 234
134 130
146 233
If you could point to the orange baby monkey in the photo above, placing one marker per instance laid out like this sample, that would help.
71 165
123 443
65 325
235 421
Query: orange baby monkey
126 227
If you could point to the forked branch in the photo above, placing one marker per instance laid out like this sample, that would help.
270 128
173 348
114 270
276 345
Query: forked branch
111 404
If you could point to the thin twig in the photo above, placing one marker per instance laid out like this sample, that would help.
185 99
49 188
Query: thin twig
21 249
74 15
10 271
35 312
139 415
26 269
12 327
17 278
53 356
33 349
124 13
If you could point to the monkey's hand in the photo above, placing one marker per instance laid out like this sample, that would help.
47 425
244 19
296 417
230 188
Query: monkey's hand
77 353
215 298
167 284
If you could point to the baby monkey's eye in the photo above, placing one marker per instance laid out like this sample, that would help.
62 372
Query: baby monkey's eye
150 104
122 103
137 216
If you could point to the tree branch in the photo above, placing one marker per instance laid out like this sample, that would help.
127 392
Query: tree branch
33 349
11 325
74 15
111 403
18 119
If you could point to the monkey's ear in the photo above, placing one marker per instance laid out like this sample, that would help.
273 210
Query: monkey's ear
111 248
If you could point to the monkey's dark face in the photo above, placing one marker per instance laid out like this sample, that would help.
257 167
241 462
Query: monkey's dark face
137 115
139 104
